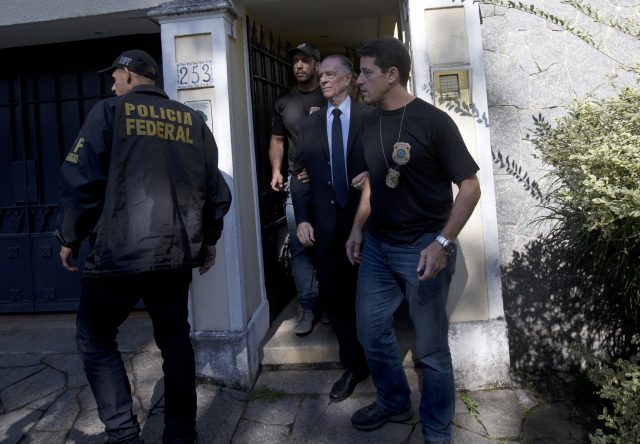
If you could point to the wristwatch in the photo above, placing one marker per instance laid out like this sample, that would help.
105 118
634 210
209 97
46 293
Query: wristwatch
449 246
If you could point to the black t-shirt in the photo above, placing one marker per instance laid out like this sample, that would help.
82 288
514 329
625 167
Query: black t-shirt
421 203
289 109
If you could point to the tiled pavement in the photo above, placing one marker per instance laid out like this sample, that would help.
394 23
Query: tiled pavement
44 397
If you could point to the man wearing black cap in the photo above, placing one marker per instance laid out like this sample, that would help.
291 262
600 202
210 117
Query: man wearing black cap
289 109
142 182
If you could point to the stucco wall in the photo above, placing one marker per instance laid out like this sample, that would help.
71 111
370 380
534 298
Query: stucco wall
534 67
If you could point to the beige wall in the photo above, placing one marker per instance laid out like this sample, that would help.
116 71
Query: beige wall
468 295
245 172
448 53
226 298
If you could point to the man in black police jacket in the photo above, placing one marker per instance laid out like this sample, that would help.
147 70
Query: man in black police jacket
325 207
142 182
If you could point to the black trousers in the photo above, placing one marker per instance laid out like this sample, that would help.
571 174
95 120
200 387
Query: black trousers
105 303
337 280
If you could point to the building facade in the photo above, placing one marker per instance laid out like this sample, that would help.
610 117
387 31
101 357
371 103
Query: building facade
491 67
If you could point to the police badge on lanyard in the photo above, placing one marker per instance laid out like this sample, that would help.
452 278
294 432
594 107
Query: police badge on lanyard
400 156
401 153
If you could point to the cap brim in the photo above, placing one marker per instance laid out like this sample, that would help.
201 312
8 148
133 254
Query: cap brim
294 50
109 69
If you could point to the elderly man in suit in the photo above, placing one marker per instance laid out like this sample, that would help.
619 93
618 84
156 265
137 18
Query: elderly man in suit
325 206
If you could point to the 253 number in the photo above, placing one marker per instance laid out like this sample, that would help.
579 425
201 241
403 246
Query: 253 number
194 75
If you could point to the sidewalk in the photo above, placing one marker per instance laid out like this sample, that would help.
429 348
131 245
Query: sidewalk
44 398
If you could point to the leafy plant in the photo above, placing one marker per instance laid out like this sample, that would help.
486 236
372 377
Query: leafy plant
593 200
471 405
620 387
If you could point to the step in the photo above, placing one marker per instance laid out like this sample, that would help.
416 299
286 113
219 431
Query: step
283 349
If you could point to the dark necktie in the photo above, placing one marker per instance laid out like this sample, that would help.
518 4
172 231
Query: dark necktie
340 187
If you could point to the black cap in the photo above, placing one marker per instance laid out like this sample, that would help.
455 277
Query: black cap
135 60
306 48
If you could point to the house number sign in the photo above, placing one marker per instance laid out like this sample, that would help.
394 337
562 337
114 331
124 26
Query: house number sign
195 74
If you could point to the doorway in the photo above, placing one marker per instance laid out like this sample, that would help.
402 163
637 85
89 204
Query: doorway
273 27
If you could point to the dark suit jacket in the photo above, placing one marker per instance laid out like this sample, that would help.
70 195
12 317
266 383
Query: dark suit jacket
314 202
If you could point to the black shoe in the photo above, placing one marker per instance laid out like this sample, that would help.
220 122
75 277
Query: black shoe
344 386
372 416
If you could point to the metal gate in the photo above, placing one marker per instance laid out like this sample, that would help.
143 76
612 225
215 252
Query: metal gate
270 77
45 93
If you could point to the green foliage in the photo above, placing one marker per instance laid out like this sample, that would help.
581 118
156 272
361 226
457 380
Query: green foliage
265 394
595 151
628 27
594 193
620 387
471 405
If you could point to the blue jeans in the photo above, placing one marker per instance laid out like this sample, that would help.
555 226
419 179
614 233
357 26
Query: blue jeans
105 303
301 263
387 276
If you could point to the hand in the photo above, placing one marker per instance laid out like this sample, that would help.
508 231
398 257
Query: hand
433 259
303 176
209 253
65 256
305 234
354 243
359 181
278 183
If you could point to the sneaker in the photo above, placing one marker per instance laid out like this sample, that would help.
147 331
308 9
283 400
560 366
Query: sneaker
304 324
324 318
372 416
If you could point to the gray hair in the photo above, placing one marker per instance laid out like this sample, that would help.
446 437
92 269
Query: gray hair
345 64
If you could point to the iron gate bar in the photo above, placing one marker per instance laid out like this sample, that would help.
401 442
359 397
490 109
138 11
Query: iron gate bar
270 77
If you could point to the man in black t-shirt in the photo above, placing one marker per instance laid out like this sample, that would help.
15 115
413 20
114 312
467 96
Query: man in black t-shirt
413 152
303 99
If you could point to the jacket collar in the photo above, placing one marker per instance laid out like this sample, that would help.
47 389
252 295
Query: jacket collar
149 89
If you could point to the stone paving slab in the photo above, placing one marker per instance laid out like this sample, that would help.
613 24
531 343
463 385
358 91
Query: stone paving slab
278 412
526 398
151 431
12 360
70 365
299 381
46 399
34 388
148 379
54 340
250 432
62 413
499 412
86 399
469 423
45 437
10 376
219 411
14 424
552 423
87 429
310 411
